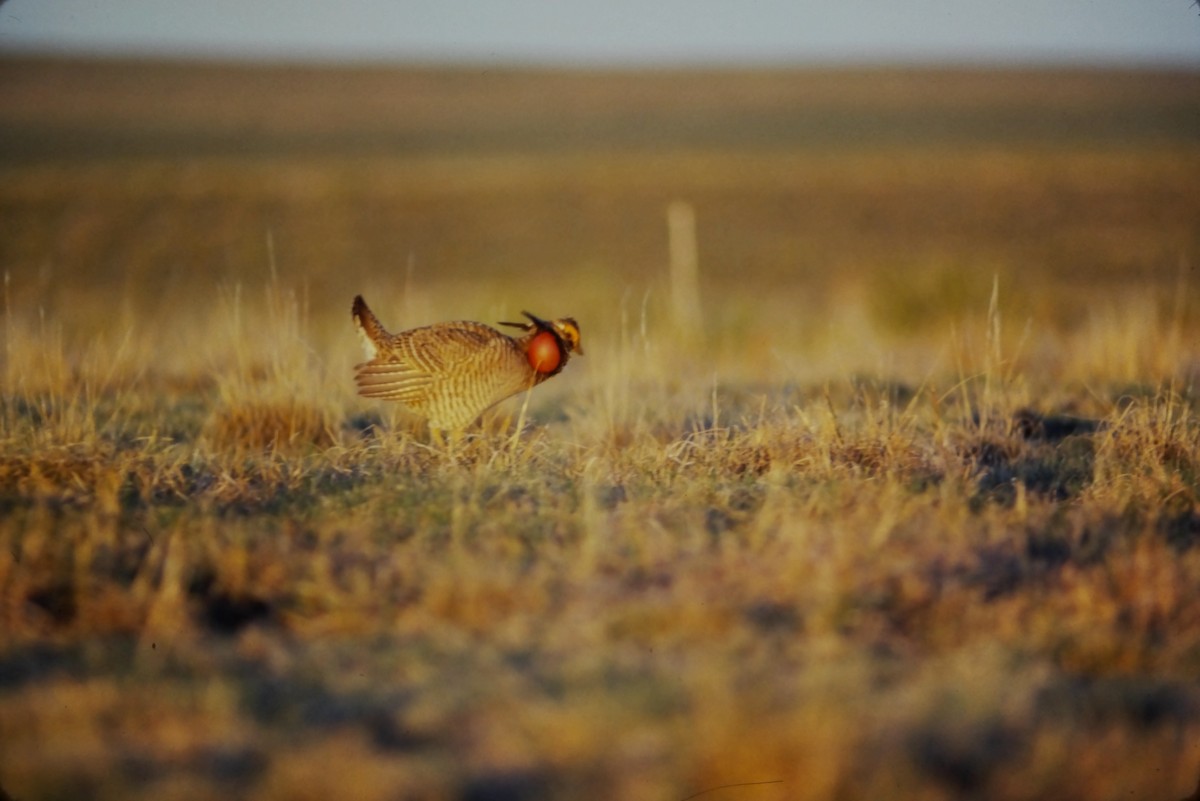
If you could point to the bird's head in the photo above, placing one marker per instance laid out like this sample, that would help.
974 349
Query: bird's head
565 330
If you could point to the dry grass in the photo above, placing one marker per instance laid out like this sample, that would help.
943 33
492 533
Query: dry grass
917 516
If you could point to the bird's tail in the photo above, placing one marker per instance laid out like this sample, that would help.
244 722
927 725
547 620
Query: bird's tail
370 330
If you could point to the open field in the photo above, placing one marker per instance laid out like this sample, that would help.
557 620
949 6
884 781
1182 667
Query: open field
914 514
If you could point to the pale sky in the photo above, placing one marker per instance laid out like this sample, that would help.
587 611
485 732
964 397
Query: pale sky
618 32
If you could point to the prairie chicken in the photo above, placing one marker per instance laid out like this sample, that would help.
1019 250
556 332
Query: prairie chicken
450 373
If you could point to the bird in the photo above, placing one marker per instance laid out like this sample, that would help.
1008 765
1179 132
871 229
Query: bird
450 373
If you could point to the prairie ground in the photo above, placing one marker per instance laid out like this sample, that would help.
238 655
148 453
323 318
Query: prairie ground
909 507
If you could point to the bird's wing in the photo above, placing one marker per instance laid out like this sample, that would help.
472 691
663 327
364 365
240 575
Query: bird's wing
411 363
391 381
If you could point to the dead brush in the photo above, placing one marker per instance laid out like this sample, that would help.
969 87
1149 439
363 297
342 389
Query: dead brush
271 385
1150 452
269 425
78 476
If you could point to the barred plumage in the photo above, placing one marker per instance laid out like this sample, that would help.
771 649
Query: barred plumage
450 373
